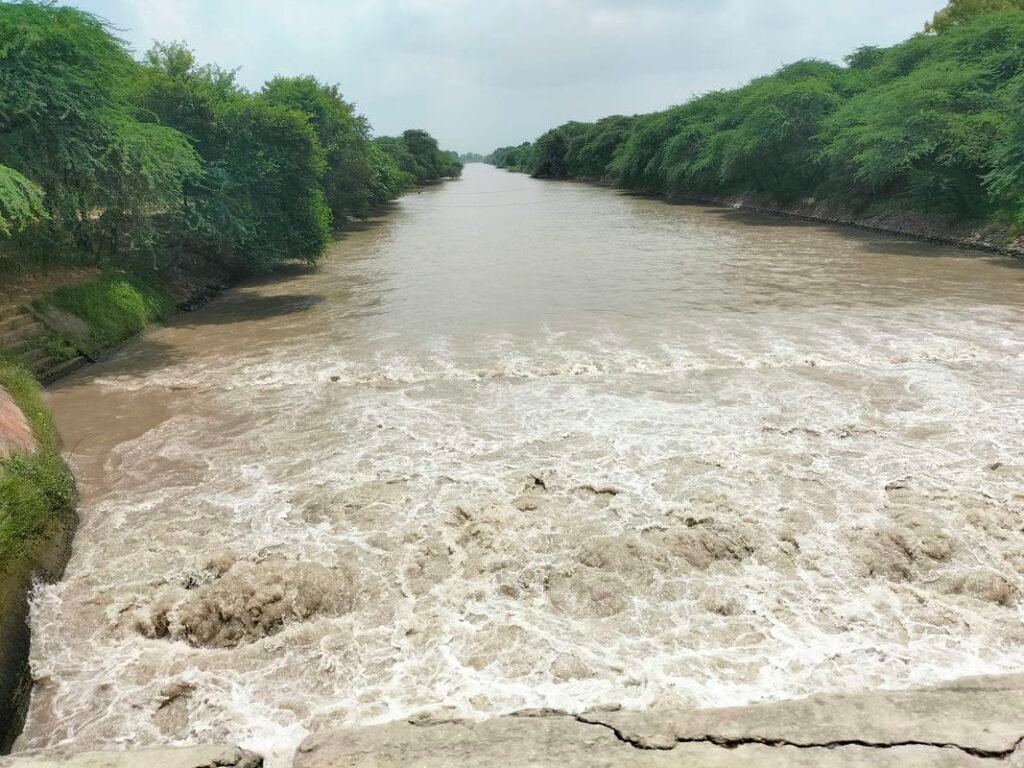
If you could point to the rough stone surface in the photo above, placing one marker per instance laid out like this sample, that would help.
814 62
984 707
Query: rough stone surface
983 715
15 432
171 757
967 724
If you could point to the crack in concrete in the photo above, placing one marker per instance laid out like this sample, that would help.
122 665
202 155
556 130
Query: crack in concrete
733 742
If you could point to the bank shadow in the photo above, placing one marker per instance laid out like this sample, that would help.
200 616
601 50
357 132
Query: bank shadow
870 241
242 306
764 219
373 221
135 359
924 249
282 271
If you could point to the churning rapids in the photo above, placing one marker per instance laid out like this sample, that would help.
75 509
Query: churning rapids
520 444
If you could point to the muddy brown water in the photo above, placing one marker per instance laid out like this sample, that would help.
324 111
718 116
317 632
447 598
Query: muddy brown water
520 444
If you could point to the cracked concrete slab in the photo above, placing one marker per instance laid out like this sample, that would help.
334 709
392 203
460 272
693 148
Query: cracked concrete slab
983 716
967 724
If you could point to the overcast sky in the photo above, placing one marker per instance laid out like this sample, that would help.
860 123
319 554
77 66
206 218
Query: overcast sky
484 73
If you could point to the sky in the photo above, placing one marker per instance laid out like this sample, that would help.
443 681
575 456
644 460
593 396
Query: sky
479 74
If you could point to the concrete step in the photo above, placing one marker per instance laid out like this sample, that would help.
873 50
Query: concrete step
14 321
25 330
973 723
47 363
152 757
35 356
19 347
56 371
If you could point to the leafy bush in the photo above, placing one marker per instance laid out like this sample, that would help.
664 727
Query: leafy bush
21 201
416 153
67 124
115 308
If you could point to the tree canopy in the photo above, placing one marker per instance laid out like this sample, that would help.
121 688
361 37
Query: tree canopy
960 11
416 152
146 162
933 124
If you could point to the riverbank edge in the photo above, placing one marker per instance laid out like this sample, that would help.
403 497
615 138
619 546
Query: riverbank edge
45 563
36 481
986 236
50 552
47 557
978 236
975 722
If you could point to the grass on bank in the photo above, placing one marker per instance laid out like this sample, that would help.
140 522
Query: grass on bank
115 307
36 490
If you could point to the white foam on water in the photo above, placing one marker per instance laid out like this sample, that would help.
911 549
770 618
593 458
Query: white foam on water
568 530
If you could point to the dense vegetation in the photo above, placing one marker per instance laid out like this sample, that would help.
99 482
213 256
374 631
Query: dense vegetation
114 308
934 124
417 154
471 157
166 162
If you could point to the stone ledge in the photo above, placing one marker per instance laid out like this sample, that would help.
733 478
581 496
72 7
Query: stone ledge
169 757
967 724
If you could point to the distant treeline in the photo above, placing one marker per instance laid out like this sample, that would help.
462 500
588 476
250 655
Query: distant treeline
471 157
161 160
934 124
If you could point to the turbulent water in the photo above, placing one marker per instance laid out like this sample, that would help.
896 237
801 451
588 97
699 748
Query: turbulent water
519 444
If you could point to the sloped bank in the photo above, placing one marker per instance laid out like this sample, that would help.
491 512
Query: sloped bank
976 235
76 323
988 236
59 330
37 522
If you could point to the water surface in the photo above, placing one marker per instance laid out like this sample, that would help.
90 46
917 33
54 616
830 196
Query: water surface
521 444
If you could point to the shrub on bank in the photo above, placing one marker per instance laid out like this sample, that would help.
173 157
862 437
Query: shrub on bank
36 489
114 308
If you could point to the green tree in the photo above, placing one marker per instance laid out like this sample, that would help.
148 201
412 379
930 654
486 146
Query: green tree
925 136
592 150
1005 182
67 123
342 133
517 158
21 202
416 152
932 124
961 11
260 197
766 140
273 164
